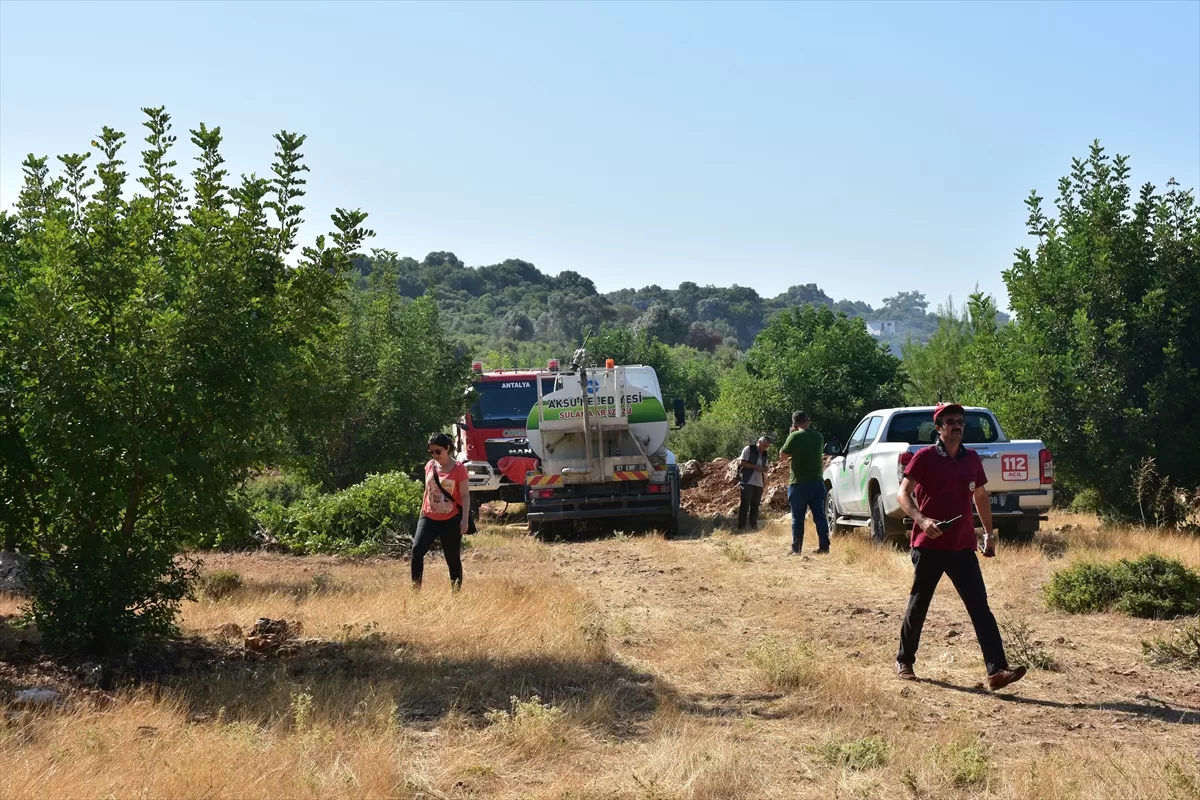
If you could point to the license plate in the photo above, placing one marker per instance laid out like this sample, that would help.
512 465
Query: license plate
999 500
627 467
512 433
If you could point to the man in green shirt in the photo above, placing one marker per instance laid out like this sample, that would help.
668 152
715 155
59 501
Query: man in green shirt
806 489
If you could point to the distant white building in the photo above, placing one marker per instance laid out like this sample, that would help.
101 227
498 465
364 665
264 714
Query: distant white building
878 329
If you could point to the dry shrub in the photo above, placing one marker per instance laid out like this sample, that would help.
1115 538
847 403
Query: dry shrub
1182 650
964 764
689 762
532 727
1182 778
785 665
861 754
735 552
1022 648
220 584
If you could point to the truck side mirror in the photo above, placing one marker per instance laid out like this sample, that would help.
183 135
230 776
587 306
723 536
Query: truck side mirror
833 449
680 412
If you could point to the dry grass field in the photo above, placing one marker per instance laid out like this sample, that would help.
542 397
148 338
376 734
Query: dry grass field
634 667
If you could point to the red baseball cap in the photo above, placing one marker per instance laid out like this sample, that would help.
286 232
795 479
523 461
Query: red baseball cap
942 408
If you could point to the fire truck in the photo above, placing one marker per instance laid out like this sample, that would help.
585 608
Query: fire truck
492 441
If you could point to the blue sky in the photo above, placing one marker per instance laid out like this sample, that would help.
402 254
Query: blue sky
867 148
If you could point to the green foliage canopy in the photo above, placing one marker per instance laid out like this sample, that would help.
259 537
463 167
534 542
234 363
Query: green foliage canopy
145 345
814 359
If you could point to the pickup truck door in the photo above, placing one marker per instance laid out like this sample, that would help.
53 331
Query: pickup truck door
858 466
847 476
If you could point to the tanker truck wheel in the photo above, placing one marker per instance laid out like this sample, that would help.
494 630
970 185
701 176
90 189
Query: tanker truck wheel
671 528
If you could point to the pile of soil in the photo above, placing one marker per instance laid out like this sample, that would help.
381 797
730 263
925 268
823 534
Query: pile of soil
711 489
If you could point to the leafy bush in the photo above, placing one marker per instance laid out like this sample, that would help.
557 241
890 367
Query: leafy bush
1082 588
258 511
710 437
1182 650
381 511
286 489
1103 381
1151 587
1086 501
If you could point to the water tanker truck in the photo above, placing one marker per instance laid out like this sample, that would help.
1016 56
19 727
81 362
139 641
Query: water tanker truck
600 439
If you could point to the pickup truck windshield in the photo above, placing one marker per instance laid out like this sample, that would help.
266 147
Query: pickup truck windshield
916 427
506 404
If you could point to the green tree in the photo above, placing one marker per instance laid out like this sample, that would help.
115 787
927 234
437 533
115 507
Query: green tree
386 379
683 372
143 352
814 359
667 325
937 370
1104 359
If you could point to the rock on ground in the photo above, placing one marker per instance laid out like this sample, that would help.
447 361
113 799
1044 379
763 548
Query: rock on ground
14 567
776 498
37 697
690 473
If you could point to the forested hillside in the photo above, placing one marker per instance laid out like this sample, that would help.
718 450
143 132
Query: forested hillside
490 308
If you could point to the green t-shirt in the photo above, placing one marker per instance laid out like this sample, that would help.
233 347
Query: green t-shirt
807 449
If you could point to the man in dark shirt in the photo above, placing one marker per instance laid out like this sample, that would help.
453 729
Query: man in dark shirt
940 484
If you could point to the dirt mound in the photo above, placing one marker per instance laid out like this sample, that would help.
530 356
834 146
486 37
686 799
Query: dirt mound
712 488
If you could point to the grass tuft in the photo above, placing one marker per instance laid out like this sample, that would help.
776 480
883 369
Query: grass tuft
784 666
858 755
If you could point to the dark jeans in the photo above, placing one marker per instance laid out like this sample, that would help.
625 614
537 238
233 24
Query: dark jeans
751 497
802 497
963 568
448 531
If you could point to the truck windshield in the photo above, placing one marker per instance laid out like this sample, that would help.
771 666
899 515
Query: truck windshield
916 427
506 404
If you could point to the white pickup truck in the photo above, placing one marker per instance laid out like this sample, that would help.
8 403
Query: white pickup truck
863 477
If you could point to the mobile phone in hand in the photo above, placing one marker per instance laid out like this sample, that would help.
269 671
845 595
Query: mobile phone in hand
990 550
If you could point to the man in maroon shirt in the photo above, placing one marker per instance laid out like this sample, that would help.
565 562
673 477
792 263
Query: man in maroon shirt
940 485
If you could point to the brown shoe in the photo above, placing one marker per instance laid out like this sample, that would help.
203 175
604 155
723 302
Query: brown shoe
1001 678
905 672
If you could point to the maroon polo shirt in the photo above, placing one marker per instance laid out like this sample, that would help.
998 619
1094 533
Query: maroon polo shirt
945 489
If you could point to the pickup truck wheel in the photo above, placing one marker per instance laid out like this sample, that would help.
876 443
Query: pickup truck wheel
878 531
882 527
831 514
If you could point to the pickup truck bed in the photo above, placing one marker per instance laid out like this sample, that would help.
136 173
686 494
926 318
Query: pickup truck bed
863 477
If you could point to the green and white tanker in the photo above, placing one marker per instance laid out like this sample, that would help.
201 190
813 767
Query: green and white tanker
600 437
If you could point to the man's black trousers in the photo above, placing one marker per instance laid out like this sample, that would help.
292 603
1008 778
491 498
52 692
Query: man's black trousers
962 567
751 497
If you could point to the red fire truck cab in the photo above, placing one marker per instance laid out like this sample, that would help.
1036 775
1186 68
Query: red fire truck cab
492 441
